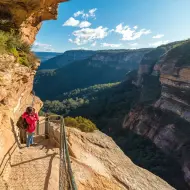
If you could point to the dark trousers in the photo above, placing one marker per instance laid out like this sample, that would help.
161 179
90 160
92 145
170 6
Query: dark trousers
22 136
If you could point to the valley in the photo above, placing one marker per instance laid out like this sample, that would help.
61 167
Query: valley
112 91
110 82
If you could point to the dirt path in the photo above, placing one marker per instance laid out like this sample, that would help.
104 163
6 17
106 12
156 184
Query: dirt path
35 168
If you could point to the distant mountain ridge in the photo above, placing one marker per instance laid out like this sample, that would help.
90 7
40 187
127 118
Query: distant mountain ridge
106 66
44 56
66 58
70 56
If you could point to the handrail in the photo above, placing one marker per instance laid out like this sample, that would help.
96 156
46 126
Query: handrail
72 179
64 154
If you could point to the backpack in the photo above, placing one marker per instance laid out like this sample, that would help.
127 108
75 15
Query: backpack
21 123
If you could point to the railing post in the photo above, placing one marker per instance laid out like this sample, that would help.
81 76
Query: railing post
62 169
47 127
38 125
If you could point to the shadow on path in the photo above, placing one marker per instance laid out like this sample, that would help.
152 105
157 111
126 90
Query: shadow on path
49 172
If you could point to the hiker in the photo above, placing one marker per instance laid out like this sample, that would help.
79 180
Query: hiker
31 118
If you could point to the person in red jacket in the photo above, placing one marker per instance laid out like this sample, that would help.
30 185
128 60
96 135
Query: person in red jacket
31 118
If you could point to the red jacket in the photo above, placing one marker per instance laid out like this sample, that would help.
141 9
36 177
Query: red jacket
31 120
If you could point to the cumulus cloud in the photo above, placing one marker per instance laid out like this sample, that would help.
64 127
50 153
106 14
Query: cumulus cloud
111 45
84 24
158 36
134 44
76 23
159 43
42 47
71 22
92 12
112 30
94 44
78 13
89 14
86 35
129 33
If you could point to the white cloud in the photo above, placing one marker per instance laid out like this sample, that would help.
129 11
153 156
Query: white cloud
94 44
71 22
78 13
159 43
112 30
84 24
86 35
80 48
130 34
158 36
135 27
134 44
92 12
89 14
76 23
111 45
42 47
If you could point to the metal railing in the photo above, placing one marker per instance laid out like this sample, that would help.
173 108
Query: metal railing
66 177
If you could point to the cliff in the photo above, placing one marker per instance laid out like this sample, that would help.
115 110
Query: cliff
27 16
16 84
166 121
16 80
119 59
98 163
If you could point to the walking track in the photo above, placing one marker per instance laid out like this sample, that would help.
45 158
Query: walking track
35 168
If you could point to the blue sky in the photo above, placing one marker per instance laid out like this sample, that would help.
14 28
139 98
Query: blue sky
113 24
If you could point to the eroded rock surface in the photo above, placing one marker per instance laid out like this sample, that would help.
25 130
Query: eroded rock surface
16 80
167 121
16 83
27 15
98 163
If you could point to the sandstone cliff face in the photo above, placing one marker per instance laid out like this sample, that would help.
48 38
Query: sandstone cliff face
121 59
16 83
98 163
66 58
27 16
167 121
150 59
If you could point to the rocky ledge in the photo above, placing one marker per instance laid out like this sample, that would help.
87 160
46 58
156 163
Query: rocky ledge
98 163
27 16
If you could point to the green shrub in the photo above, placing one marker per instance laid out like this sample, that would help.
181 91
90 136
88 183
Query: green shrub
81 123
24 61
41 113
10 42
14 52
25 47
3 40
